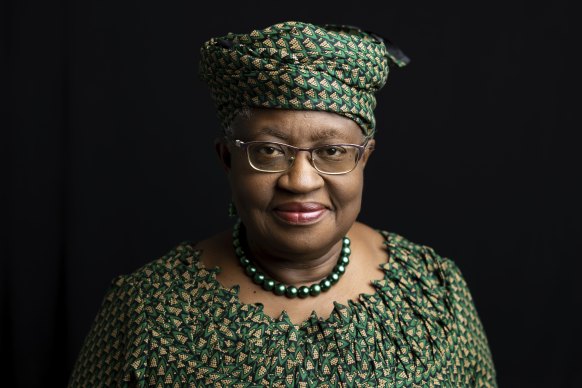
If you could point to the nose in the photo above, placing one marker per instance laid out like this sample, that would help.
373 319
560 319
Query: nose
301 177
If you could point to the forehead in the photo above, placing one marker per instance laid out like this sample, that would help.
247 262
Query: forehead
297 126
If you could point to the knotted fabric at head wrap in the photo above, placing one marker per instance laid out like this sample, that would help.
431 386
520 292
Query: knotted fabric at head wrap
301 66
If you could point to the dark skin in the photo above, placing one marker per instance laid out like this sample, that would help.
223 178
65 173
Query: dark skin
298 254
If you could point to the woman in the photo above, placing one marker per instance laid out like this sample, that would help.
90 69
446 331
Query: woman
297 293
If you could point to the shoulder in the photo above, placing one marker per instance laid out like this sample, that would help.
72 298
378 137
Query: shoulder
421 258
179 264
417 269
128 311
180 258
407 258
138 298
423 274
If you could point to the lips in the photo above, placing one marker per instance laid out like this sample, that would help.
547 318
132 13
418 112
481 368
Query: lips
300 212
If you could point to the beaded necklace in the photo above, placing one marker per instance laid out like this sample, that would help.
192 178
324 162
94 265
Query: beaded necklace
281 289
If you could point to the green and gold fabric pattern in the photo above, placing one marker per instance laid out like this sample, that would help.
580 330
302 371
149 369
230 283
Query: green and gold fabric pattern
296 65
172 324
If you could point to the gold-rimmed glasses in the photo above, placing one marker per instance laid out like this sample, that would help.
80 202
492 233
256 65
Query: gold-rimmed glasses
333 159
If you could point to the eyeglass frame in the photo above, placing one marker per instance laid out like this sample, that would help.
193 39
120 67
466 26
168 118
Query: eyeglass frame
243 145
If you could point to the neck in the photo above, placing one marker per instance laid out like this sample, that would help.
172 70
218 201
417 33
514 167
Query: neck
295 270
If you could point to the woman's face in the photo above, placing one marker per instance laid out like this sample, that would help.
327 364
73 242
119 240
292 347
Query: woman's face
299 211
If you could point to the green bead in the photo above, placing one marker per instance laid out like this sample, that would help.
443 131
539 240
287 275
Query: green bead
346 241
339 269
244 261
346 251
344 260
259 278
303 292
236 242
333 278
291 291
280 289
235 233
250 270
268 284
325 285
315 290
239 252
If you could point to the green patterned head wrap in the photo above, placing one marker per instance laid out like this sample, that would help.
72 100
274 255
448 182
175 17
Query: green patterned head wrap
295 65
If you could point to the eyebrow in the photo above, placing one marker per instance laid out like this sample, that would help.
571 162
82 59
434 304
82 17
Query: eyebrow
326 134
320 135
273 132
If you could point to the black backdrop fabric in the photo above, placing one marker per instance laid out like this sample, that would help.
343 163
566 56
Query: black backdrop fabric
108 161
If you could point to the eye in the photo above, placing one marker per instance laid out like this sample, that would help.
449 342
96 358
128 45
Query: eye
267 150
331 151
270 150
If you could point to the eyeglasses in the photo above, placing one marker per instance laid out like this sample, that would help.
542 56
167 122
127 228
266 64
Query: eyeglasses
333 159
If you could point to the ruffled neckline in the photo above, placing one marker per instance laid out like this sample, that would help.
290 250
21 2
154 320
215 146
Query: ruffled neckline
339 312
401 273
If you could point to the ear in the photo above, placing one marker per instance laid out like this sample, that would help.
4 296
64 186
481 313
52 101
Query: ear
223 153
368 151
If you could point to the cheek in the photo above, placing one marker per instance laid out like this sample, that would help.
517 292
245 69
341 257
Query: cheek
347 194
251 190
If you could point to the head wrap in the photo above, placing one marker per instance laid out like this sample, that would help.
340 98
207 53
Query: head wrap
301 66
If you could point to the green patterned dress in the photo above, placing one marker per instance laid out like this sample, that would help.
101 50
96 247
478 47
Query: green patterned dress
171 323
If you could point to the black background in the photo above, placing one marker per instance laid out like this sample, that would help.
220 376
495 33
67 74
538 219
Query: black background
108 162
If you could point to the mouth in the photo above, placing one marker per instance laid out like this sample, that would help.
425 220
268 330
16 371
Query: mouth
300 213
